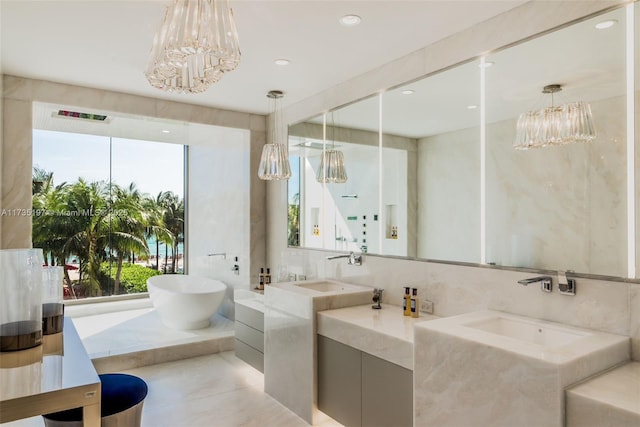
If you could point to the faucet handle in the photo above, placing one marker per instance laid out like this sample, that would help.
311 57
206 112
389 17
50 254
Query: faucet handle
566 286
377 298
355 259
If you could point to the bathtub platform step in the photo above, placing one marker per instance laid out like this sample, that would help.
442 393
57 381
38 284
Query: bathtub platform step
152 356
128 339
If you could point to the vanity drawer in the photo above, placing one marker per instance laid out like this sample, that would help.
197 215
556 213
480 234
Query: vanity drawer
250 336
249 316
250 355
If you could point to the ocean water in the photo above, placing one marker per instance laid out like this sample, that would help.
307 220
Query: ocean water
163 249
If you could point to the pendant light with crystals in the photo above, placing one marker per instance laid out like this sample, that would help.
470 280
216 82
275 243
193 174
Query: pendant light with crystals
331 169
555 125
274 162
196 44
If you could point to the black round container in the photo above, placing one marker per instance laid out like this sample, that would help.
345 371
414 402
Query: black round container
20 335
52 318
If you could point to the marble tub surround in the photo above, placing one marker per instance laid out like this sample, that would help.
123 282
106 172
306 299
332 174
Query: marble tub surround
290 341
610 399
456 362
384 333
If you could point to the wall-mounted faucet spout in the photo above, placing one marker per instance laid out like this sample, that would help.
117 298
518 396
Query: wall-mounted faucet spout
221 254
545 282
353 259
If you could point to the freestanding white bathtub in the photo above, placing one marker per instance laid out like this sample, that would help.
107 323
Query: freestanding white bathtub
185 302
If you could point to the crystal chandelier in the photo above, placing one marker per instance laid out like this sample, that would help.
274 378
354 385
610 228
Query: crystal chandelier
331 169
555 125
195 45
274 162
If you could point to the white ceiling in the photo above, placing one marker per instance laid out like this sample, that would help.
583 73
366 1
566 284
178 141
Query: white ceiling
105 44
588 63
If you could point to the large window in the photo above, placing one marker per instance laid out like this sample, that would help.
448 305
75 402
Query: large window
111 210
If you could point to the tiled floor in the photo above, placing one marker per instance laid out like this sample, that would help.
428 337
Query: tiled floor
218 390
215 390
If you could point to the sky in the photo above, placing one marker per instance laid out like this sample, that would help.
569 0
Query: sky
153 166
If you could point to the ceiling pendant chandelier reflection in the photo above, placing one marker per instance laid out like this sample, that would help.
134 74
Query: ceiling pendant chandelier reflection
555 125
274 162
331 169
196 44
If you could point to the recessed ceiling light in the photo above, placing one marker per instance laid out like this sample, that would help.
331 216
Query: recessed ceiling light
606 24
472 107
407 92
282 61
350 20
166 131
486 64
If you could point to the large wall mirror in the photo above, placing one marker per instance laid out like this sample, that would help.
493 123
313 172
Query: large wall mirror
433 172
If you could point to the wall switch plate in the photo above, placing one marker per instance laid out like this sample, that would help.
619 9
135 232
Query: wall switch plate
426 306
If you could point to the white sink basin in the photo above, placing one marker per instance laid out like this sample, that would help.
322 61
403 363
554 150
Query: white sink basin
328 286
529 331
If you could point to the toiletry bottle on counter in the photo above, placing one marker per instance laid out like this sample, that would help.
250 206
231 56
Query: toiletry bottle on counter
406 302
415 303
261 279
267 277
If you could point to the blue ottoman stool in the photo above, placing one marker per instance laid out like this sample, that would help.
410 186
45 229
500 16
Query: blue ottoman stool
121 403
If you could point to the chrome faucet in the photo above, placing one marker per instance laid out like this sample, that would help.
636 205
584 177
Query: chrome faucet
353 259
545 282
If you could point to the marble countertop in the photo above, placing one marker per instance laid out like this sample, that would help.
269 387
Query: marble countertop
572 343
251 298
385 333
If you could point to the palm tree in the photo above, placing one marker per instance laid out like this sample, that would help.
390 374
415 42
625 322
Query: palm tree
156 228
50 228
41 181
88 204
128 222
293 231
173 215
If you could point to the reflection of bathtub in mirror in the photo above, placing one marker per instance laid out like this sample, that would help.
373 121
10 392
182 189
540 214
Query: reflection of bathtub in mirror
185 301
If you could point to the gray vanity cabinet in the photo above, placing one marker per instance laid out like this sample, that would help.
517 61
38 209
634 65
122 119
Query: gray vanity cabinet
249 329
358 389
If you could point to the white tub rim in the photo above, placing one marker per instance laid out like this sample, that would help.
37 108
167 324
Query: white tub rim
185 284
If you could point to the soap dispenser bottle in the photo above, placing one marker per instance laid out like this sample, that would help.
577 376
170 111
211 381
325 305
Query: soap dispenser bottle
261 279
415 303
406 302
267 277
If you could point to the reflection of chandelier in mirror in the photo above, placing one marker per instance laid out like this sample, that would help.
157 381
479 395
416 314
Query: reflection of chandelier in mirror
555 125
274 162
331 169
196 44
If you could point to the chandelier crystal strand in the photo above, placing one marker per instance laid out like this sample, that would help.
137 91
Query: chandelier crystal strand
196 44
555 125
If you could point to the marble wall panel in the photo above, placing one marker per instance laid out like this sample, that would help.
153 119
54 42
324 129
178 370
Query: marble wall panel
449 196
218 186
16 174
